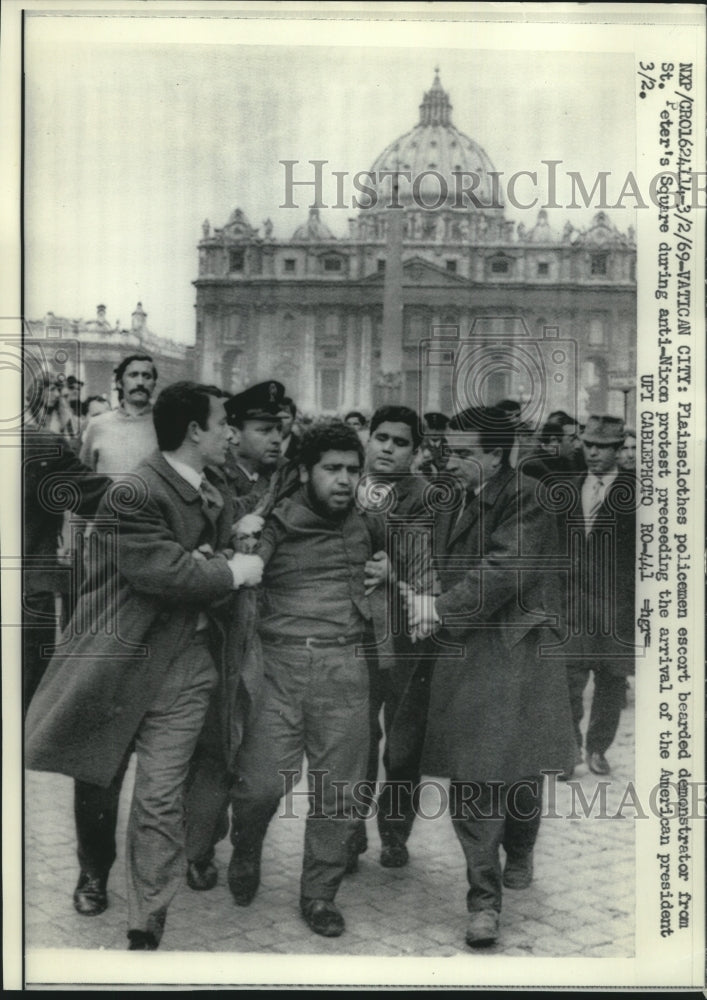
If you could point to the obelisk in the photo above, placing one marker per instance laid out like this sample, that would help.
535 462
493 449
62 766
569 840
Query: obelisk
392 338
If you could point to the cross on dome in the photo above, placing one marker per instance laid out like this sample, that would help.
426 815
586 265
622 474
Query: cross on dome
436 107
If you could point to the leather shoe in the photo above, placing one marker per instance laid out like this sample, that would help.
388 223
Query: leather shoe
598 763
142 941
482 928
90 896
243 879
323 916
201 875
394 856
518 872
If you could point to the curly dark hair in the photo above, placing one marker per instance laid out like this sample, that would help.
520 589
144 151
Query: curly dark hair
331 435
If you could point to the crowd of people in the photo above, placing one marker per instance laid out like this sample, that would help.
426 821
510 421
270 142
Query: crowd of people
224 587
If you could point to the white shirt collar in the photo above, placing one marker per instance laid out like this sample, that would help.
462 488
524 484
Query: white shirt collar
607 478
185 471
253 476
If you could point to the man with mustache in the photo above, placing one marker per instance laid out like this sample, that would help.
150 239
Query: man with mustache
116 441
319 583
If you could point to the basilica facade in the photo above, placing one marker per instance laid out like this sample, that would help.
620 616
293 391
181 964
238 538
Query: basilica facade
437 307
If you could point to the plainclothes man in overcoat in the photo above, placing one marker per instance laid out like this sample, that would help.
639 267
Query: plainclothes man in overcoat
601 519
136 665
499 712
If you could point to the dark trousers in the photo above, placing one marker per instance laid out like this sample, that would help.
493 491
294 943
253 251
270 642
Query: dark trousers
164 744
96 818
207 790
608 700
402 690
315 702
486 817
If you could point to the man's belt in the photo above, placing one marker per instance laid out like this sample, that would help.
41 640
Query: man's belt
311 642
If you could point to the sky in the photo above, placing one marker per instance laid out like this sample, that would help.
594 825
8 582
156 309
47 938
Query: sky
136 130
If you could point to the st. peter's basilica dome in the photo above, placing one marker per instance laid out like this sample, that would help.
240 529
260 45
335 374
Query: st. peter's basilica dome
435 144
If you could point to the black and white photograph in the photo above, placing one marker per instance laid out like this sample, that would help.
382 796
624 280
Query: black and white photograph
353 430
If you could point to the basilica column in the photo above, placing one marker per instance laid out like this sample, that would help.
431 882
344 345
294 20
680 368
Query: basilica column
430 379
308 401
262 363
365 362
392 341
209 341
351 374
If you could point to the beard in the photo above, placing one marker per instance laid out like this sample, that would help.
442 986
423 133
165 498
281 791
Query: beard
322 509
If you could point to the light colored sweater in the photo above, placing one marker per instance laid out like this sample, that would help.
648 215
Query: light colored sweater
115 442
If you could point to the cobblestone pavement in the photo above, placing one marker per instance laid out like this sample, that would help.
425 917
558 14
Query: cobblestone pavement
581 902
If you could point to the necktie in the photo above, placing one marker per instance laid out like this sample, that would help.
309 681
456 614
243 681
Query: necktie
211 500
596 498
462 508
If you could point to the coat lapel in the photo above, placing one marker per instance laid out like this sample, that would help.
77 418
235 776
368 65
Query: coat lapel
459 525
487 498
187 493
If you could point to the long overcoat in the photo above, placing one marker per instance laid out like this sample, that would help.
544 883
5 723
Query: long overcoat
138 609
601 593
499 705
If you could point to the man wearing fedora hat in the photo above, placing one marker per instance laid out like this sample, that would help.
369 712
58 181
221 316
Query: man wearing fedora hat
602 522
